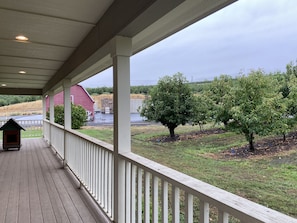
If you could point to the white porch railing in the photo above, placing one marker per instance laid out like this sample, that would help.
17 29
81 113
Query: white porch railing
153 192
57 138
54 135
91 161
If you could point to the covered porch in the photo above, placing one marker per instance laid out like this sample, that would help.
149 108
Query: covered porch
47 47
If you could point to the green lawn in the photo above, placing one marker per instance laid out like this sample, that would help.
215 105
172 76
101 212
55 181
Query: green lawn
270 181
29 133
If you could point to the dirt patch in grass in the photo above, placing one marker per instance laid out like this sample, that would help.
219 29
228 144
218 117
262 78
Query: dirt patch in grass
266 147
187 136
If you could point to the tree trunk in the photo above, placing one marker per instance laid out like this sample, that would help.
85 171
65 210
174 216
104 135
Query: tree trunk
225 124
171 131
251 142
284 137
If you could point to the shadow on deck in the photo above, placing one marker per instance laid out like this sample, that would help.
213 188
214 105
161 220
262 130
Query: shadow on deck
34 188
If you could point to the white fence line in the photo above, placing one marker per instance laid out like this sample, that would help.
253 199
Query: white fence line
153 192
32 127
26 123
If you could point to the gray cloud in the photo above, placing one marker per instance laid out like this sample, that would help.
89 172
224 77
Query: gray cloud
248 34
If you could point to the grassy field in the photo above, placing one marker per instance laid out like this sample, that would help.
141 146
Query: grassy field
268 180
26 108
29 133
35 107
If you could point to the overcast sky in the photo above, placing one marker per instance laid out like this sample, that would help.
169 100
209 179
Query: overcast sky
248 34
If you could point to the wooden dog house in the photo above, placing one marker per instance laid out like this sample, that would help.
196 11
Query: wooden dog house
11 134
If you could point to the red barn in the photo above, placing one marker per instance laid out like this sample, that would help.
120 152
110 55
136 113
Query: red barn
79 96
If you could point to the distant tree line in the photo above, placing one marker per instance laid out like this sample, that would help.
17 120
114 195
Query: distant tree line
99 90
15 99
142 89
195 87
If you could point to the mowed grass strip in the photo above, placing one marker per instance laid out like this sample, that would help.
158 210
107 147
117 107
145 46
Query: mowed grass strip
268 180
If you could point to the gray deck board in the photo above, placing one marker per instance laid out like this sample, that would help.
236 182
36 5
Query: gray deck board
34 188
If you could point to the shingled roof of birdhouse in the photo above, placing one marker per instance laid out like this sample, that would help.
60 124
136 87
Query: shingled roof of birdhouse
11 124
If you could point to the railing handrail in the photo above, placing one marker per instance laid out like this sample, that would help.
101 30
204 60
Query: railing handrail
54 124
83 136
90 139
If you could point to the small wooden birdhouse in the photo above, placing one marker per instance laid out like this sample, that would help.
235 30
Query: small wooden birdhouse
11 134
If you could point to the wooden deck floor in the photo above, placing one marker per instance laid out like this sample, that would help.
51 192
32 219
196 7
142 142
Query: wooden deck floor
34 188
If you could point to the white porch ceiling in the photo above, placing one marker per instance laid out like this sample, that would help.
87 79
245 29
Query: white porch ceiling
69 38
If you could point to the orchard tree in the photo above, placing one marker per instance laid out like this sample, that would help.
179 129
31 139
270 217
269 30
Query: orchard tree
291 112
292 86
220 93
171 102
203 110
288 88
258 107
291 69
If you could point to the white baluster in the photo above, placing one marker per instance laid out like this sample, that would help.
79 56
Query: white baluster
155 202
204 212
188 208
164 201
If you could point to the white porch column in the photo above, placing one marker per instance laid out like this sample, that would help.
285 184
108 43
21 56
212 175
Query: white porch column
44 107
43 112
52 114
67 104
67 115
51 107
122 134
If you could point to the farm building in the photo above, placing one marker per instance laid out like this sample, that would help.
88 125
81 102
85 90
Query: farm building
79 96
107 105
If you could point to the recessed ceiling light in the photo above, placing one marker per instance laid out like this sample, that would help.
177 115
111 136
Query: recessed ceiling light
22 38
22 72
